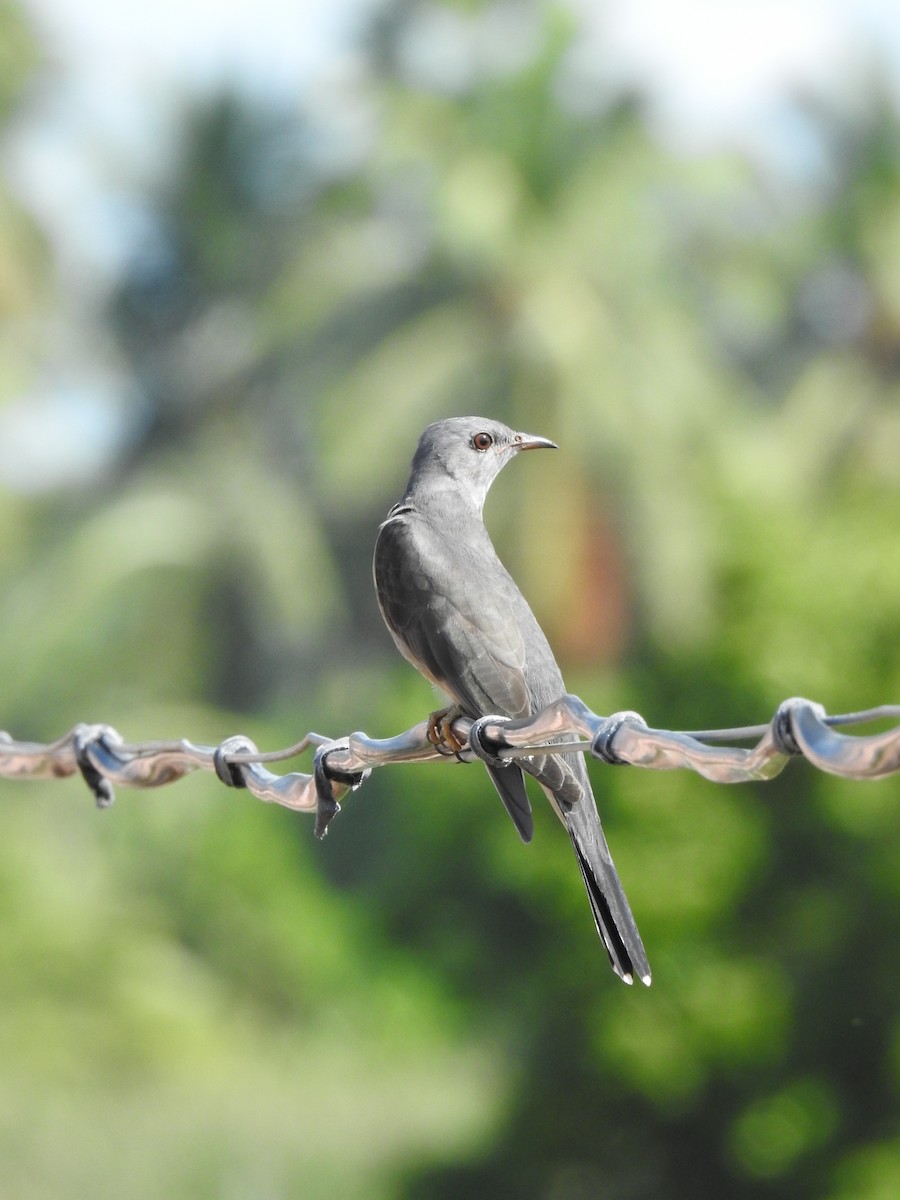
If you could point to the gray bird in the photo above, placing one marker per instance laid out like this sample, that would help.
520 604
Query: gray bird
456 614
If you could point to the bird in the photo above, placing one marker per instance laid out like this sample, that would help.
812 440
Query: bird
456 614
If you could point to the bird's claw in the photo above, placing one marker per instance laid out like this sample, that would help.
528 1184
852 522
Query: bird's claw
440 730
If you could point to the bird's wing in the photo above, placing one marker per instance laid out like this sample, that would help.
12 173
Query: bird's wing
463 637
477 657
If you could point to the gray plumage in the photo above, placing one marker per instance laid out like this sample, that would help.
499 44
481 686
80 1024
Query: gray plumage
456 614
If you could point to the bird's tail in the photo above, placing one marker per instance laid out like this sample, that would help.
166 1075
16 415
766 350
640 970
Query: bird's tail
612 916
510 786
569 790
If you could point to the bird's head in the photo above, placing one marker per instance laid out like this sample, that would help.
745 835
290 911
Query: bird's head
468 453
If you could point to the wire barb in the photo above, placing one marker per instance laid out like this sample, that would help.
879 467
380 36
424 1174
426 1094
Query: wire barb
601 743
798 728
228 770
488 749
88 738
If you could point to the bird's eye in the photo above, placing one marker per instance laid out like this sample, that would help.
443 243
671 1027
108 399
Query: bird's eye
482 441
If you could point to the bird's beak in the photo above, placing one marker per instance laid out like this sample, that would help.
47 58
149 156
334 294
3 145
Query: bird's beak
528 441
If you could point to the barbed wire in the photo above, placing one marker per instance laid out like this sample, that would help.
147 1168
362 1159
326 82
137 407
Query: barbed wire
798 728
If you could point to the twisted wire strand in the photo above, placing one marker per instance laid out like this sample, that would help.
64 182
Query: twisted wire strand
798 728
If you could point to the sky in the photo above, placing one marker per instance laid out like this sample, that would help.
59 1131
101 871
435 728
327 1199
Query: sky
103 116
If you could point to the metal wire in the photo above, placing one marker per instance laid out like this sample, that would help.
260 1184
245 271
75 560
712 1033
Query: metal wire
798 728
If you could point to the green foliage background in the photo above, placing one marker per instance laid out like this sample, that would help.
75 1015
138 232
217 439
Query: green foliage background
196 1000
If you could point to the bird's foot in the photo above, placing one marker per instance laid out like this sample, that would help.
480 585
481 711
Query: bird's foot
440 730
